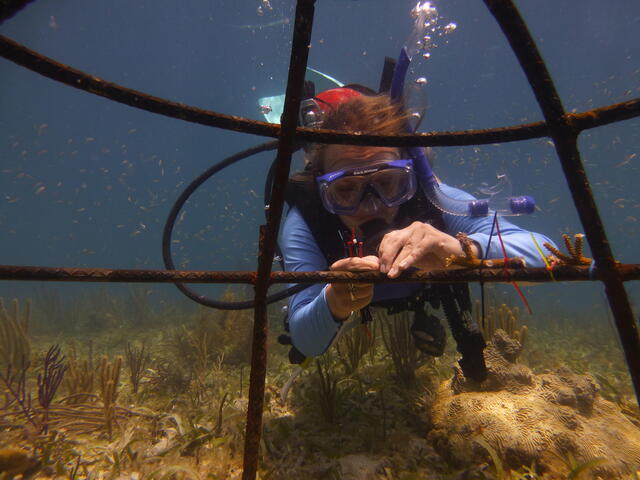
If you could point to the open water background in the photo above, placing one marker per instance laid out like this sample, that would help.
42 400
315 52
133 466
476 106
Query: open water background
86 182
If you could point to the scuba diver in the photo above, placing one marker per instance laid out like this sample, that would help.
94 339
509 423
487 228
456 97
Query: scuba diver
360 208
356 208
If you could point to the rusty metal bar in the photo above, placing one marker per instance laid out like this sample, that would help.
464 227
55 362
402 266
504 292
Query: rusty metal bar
564 135
268 233
627 272
604 115
8 8
54 70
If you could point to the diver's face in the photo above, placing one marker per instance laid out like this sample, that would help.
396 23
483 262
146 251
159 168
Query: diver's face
338 157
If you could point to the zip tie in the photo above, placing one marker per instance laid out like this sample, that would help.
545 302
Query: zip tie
543 256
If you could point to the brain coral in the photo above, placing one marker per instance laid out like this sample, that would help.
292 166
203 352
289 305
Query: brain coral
526 418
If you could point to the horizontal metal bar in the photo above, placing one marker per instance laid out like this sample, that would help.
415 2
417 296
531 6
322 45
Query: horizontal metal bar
72 77
60 274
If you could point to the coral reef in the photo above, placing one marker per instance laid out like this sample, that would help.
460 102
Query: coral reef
575 256
502 317
531 419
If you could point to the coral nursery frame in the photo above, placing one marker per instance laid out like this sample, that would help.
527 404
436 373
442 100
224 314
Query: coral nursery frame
561 127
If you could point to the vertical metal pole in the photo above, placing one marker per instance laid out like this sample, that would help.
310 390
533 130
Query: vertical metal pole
269 232
564 135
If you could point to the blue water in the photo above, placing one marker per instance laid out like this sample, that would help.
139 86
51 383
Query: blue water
88 182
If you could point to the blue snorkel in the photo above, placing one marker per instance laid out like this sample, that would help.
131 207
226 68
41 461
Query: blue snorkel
502 204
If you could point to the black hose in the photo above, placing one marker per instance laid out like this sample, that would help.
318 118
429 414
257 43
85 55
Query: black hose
173 215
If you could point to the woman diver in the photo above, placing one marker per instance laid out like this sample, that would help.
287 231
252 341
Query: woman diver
373 194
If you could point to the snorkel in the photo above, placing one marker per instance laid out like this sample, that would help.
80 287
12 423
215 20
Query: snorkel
499 199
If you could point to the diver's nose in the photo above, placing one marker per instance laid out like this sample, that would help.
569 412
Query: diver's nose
370 204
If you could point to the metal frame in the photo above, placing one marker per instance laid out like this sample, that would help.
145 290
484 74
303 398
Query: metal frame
562 127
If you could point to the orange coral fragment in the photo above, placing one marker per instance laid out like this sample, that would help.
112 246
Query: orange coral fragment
471 260
574 248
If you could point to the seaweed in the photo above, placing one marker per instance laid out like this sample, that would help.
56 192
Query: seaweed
49 381
397 339
79 378
15 346
15 381
327 389
137 360
109 376
353 346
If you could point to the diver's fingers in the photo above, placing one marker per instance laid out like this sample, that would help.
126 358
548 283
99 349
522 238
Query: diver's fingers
405 259
353 264
414 252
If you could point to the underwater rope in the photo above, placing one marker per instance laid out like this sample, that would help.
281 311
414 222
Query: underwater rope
504 253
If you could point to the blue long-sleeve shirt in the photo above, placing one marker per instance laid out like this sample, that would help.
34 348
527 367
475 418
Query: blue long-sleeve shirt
311 323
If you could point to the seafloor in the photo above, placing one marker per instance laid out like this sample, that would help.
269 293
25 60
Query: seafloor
150 391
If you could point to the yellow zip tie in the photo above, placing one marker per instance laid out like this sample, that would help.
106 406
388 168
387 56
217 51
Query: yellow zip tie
544 257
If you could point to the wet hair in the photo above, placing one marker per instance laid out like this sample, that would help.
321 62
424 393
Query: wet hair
376 114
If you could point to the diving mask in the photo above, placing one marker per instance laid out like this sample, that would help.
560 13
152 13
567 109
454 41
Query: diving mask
343 191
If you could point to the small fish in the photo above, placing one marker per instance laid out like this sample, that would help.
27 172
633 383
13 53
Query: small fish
275 23
626 160
40 189
264 109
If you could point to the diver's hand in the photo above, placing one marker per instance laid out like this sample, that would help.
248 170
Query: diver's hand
419 245
344 298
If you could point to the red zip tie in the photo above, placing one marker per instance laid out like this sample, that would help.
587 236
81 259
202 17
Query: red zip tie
504 252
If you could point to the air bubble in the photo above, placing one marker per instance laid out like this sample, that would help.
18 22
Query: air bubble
421 81
450 27
426 55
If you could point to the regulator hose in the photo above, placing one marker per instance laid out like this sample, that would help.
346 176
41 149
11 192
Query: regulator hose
173 215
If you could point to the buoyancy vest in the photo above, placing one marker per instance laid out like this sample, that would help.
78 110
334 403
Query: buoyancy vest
454 299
